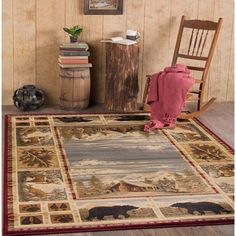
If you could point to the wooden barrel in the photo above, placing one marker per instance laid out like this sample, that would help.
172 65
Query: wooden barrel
75 88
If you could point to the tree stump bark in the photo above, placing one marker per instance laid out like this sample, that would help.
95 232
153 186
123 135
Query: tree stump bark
121 77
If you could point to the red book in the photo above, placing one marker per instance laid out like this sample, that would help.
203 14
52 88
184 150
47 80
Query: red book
73 61
73 57
75 65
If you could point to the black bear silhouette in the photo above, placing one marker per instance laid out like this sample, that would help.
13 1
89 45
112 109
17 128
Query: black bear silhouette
114 211
201 207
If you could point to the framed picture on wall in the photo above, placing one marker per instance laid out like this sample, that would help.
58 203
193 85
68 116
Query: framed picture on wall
103 7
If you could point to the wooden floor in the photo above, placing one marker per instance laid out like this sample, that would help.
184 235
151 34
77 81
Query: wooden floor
220 119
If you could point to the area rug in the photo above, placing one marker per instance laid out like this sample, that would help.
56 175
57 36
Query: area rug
92 172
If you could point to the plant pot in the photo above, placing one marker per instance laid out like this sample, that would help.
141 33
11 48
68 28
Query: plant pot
73 39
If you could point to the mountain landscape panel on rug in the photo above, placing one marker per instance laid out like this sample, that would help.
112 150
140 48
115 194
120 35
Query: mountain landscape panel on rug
130 164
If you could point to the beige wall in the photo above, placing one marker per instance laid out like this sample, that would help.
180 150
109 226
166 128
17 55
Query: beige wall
32 33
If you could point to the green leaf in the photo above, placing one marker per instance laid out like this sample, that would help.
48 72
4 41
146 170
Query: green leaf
73 31
67 30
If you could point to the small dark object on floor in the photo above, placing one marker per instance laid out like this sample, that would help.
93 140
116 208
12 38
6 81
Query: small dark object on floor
28 98
73 119
131 118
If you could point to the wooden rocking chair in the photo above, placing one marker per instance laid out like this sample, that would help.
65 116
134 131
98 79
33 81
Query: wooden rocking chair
197 49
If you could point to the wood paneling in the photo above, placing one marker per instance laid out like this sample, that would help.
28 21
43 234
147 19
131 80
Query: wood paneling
49 23
32 33
7 52
135 11
230 85
113 25
73 13
157 34
225 8
24 32
93 26
179 8
208 14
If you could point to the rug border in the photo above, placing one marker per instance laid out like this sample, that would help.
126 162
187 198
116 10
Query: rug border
216 136
97 228
120 228
4 179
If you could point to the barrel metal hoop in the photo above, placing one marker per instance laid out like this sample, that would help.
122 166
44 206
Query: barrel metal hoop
70 77
64 100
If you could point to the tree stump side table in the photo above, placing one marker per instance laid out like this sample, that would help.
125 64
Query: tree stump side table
121 77
74 88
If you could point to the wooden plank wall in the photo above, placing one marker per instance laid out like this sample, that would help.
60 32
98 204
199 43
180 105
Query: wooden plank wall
32 33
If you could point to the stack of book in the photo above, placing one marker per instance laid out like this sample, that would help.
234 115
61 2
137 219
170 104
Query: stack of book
74 55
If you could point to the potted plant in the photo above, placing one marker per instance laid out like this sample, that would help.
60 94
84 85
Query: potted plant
73 32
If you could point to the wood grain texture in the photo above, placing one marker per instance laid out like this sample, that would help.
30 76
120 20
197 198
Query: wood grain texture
34 28
75 88
93 27
7 52
230 84
49 23
135 11
178 231
156 37
24 42
216 73
121 77
156 47
112 26
179 8
206 13
73 15
225 50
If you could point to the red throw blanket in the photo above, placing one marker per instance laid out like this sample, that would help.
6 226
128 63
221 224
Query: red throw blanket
166 96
